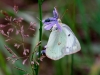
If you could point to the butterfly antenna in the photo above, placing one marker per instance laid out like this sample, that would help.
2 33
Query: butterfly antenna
64 13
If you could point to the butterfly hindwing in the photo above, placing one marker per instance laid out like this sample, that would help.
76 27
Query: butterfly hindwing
72 44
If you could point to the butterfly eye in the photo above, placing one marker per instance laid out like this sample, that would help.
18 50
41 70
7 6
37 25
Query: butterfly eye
47 20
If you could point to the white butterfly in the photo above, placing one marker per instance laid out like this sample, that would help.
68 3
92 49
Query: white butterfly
62 40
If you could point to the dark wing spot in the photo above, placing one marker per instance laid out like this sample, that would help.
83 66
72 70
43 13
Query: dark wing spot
68 34
59 43
47 20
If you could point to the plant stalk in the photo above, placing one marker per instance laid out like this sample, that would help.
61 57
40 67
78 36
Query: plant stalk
72 56
40 33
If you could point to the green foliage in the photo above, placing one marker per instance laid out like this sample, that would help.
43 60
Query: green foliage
83 16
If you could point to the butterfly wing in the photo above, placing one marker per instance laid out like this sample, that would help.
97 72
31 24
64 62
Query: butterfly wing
62 43
72 44
56 44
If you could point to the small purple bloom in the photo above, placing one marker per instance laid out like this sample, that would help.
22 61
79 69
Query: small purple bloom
55 13
42 52
50 22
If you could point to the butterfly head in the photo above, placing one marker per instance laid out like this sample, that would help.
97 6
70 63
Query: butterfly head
50 22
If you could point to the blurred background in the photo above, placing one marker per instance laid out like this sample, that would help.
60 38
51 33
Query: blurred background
82 16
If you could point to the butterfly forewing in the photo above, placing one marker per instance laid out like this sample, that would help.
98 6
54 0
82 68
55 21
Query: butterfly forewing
56 45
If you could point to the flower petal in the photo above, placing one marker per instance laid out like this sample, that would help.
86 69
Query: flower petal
58 26
48 26
55 13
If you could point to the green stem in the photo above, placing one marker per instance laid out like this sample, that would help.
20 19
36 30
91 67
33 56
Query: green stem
40 30
72 56
72 62
40 33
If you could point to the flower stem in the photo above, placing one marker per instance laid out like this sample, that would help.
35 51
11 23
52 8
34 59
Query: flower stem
40 33
40 30
72 56
72 62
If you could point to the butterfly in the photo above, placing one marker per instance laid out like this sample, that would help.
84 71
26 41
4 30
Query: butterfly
62 40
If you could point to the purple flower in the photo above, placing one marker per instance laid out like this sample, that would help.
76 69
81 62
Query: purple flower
42 52
50 22
55 13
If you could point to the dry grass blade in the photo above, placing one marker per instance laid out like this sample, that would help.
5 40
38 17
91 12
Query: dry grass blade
10 51
20 69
